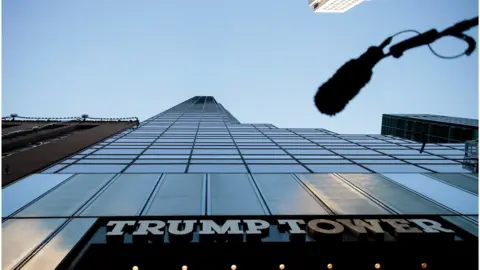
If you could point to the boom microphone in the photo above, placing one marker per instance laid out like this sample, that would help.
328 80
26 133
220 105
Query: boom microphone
332 97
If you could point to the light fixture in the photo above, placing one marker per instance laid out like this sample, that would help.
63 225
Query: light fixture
184 267
424 265
282 266
135 268
330 266
234 267
377 266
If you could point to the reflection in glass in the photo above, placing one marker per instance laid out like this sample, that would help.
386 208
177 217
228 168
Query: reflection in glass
178 194
208 168
397 168
86 168
164 168
334 168
56 250
67 198
457 180
55 168
280 168
285 196
125 197
16 195
456 199
22 236
393 195
339 196
233 194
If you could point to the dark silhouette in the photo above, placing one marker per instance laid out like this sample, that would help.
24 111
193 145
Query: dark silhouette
332 97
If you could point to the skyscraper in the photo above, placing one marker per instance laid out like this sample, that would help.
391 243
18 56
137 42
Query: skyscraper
193 188
437 128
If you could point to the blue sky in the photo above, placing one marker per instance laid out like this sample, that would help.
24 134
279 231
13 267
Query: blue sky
263 60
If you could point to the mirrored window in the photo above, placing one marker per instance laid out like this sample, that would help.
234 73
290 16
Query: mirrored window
340 197
67 198
232 151
271 151
129 157
178 194
218 168
55 168
454 198
355 152
163 168
22 236
57 249
125 197
18 194
104 151
93 168
277 168
233 194
285 196
103 161
309 152
164 156
167 151
336 168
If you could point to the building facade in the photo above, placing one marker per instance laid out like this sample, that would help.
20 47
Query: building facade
193 188
30 145
437 128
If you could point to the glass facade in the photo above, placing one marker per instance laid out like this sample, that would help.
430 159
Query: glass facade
437 128
197 159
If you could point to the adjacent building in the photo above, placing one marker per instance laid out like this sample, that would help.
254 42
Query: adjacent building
193 188
333 6
30 144
436 128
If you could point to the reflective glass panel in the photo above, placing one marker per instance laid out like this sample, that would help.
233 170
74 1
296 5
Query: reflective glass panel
67 198
18 194
339 196
233 194
125 197
285 196
86 168
58 248
334 168
22 236
210 168
456 199
280 168
164 168
178 194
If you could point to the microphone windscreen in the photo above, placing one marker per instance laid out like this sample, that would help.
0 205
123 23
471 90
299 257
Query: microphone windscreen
333 96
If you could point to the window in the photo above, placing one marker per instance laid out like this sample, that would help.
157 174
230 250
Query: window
58 248
214 161
129 157
84 168
271 151
88 151
178 194
18 194
56 167
103 161
355 152
118 151
197 151
336 168
269 161
278 168
163 168
327 161
125 197
445 194
395 168
233 194
221 168
447 168
22 236
309 152
395 196
67 198
340 197
164 156
285 196
167 151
